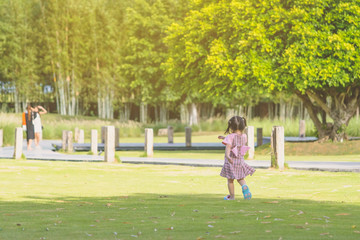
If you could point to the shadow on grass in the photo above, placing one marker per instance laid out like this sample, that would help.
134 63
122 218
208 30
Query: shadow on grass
153 216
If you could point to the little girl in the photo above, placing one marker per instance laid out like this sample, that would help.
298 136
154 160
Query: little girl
234 165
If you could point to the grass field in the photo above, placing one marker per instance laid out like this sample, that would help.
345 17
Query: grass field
63 200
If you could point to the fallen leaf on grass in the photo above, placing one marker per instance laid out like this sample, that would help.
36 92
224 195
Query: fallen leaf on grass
300 212
220 236
356 231
210 226
267 216
272 202
235 232
268 231
127 223
170 228
342 214
265 222
108 204
215 217
9 214
200 238
18 224
299 227
322 234
353 226
278 219
173 214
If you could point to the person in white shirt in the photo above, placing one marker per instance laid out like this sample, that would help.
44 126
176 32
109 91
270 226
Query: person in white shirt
37 124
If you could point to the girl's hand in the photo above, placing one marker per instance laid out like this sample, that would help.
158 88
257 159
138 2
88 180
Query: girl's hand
230 161
221 137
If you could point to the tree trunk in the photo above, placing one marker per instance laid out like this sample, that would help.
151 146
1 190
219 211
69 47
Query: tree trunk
343 108
163 113
282 110
143 112
193 117
184 114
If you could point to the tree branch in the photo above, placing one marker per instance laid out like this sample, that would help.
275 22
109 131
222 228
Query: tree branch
310 108
319 101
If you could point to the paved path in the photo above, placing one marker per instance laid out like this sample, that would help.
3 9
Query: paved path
46 152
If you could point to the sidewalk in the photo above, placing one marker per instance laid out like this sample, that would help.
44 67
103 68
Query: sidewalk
46 152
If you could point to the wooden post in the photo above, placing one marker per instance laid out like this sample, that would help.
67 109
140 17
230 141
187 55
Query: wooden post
278 148
94 141
250 141
81 136
64 140
18 142
117 135
109 144
1 137
302 128
69 142
149 142
259 136
170 134
188 136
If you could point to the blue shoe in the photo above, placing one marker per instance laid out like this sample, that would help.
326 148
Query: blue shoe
246 192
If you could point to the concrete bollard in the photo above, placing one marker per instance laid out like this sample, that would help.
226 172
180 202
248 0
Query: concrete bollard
170 134
69 147
149 142
250 141
94 141
76 134
302 128
117 135
188 136
18 142
109 144
1 137
278 147
81 136
64 140
259 136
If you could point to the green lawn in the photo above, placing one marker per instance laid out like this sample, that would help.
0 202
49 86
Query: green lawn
64 200
218 154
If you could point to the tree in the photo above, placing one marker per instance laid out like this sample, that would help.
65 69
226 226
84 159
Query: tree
204 56
310 49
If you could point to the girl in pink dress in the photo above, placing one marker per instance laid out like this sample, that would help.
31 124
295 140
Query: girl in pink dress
234 164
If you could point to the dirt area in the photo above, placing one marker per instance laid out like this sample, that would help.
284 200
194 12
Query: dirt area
316 148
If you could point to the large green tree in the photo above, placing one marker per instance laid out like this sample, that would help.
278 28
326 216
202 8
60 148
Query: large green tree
308 48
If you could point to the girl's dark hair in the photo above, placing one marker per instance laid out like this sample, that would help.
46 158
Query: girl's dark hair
29 111
236 123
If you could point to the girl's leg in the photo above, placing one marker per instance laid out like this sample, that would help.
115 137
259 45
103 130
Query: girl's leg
231 188
29 144
37 139
241 181
245 189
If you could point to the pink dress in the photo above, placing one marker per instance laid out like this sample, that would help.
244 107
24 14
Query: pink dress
239 169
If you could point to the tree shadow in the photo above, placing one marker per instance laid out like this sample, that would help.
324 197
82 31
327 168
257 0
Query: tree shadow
155 216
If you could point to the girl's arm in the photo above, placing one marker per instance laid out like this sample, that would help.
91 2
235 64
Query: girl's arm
227 153
43 110
221 137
